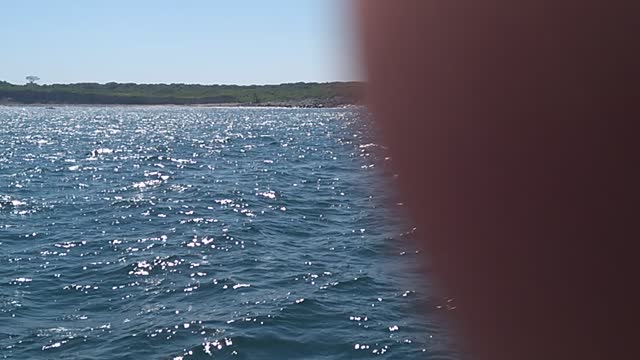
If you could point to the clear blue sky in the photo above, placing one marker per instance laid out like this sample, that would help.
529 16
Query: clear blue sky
186 41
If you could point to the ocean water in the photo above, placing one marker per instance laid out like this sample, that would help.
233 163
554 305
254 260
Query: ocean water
197 233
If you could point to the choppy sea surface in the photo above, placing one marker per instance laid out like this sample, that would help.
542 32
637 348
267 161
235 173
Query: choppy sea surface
197 233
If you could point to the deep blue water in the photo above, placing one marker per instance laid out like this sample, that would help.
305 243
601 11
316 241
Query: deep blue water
175 232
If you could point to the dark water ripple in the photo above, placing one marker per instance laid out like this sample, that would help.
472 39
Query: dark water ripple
171 233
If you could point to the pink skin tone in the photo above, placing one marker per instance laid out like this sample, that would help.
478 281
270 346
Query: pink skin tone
511 125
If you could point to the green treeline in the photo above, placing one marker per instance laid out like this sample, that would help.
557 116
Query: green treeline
294 94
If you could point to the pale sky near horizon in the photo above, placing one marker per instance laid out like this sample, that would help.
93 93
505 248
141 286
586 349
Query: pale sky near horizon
188 41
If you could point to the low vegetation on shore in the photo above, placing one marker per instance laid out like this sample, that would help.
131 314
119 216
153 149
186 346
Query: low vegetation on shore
293 94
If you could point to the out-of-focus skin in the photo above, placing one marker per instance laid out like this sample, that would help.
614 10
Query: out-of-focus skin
512 127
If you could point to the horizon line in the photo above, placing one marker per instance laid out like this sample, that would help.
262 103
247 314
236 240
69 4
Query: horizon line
200 84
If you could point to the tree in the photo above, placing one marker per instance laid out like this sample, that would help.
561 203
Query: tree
32 79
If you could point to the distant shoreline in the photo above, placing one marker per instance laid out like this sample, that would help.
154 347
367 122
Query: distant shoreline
294 95
221 105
